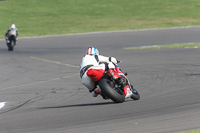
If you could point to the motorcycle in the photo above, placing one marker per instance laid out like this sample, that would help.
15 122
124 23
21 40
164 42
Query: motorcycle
117 90
11 42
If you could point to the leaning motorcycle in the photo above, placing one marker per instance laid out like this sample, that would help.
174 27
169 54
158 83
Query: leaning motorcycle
11 42
117 90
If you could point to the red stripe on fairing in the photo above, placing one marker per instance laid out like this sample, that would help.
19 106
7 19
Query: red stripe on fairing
125 90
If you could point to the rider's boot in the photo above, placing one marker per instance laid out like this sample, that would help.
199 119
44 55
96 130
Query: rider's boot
96 92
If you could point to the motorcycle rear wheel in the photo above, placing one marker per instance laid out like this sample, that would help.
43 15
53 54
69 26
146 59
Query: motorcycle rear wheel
108 88
11 46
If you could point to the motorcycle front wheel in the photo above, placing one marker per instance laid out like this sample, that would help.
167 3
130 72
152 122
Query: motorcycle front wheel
108 88
135 95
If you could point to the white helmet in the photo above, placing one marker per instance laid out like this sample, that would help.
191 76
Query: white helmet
92 51
12 26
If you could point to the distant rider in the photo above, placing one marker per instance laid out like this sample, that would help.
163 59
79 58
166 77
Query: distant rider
93 67
11 31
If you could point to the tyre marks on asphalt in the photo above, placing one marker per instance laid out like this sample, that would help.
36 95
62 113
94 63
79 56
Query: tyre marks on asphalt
45 81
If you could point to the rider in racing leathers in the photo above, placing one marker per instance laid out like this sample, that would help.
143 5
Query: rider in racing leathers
92 68
11 31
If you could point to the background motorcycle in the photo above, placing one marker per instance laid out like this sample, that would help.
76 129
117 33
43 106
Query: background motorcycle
11 42
118 90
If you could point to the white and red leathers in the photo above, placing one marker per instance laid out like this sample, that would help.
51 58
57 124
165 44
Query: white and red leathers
92 68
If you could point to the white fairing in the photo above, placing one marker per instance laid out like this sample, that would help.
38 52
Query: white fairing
128 93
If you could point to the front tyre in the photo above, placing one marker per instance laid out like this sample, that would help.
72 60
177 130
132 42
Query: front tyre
135 95
108 88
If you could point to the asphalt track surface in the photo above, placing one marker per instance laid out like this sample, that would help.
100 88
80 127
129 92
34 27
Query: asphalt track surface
42 93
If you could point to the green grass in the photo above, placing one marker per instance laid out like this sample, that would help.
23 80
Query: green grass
195 45
48 17
195 131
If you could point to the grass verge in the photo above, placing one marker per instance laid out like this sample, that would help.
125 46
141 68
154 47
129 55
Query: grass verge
195 131
49 17
193 45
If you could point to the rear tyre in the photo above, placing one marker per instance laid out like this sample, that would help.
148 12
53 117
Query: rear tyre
108 88
12 43
10 46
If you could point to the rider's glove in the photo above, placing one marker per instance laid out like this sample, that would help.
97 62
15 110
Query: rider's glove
114 60
118 61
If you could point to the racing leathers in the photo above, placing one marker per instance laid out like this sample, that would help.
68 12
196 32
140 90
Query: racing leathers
92 68
11 31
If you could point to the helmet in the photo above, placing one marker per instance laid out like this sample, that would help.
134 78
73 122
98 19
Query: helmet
92 51
12 26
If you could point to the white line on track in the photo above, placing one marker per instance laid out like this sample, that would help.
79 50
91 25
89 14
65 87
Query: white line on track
2 104
55 62
40 82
